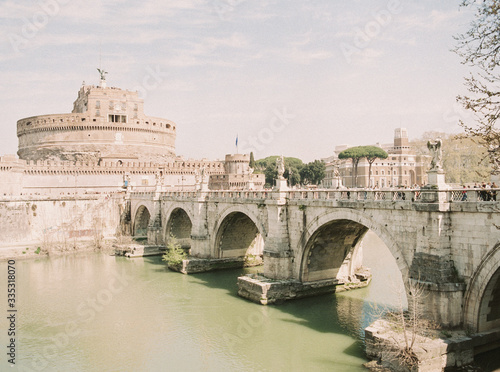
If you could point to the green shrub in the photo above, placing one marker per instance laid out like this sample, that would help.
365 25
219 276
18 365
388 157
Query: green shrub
174 254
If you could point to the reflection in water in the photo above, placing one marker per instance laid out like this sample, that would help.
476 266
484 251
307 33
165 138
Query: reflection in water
102 313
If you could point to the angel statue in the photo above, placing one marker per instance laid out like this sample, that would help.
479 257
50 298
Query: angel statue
102 73
203 175
437 154
159 178
197 176
280 166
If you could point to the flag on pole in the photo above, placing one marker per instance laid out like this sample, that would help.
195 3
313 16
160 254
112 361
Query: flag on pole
236 143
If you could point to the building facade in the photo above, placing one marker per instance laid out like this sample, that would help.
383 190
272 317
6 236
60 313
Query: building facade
402 168
237 175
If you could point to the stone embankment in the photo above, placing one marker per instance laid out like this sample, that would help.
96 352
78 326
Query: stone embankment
194 265
37 226
433 350
265 291
134 250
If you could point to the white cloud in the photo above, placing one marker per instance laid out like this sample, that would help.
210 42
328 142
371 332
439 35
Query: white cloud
309 56
428 21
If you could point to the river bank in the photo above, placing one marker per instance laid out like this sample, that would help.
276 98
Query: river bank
35 250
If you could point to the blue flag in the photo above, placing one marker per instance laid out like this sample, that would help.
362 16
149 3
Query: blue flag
236 140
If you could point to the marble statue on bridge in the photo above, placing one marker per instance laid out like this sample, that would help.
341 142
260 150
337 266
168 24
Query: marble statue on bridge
280 166
437 154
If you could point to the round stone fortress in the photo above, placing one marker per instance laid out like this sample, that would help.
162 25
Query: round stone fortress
105 124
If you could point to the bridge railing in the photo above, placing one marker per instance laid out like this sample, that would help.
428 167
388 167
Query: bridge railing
244 194
413 195
218 194
393 195
354 194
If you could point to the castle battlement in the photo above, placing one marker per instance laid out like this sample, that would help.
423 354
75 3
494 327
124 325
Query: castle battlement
84 122
110 167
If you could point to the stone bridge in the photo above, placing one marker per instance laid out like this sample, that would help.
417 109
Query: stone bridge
310 240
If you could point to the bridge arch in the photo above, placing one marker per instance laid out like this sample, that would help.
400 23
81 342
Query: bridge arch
482 297
238 233
141 221
334 236
179 225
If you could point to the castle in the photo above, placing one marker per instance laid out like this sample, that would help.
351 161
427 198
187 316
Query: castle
105 144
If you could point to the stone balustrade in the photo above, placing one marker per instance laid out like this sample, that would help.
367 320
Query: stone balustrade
394 195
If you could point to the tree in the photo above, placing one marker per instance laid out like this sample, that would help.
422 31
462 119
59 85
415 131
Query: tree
306 175
355 154
292 169
313 173
373 153
292 174
252 161
174 255
402 331
480 47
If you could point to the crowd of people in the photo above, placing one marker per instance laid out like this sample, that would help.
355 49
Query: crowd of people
486 192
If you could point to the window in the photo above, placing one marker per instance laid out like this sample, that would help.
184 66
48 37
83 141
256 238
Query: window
97 112
97 104
117 118
111 105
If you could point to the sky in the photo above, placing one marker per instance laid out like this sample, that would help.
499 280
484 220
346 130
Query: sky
284 77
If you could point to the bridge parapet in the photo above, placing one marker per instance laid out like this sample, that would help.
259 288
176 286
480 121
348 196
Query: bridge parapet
411 195
414 195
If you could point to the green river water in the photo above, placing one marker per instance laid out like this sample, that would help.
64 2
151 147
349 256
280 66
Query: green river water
103 313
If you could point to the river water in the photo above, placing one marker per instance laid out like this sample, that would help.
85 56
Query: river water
103 313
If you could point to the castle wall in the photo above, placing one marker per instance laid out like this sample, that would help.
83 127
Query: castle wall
18 177
84 137
57 224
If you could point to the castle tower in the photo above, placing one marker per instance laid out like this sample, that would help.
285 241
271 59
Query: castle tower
105 123
401 142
